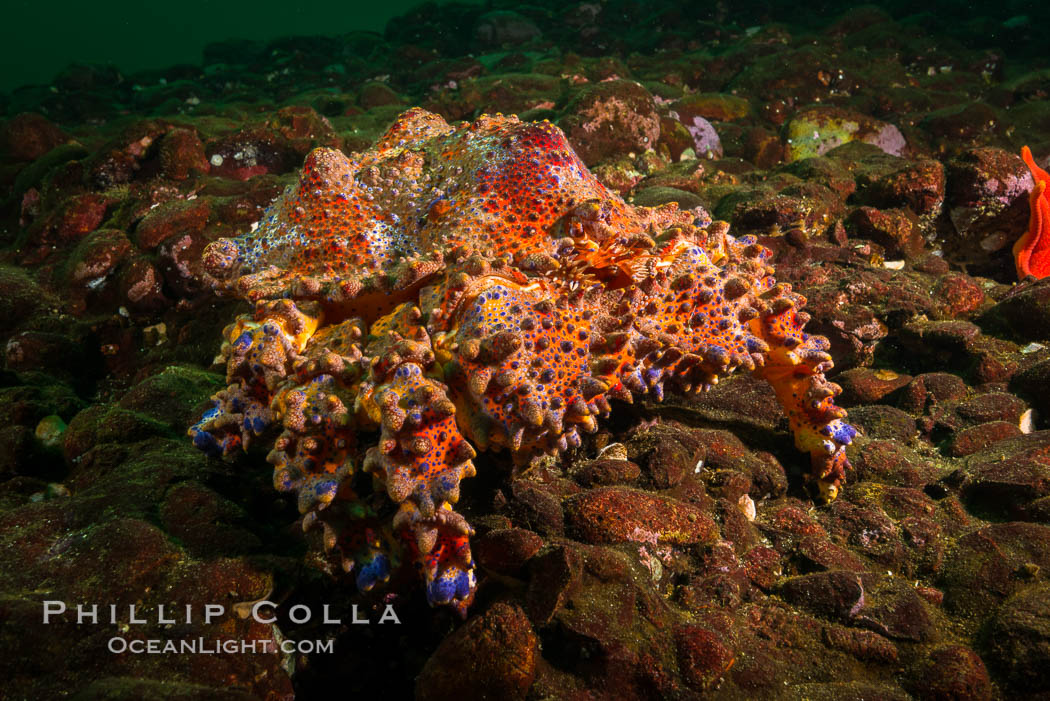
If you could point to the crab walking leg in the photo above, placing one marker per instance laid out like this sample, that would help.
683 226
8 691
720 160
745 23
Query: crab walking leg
520 363
316 457
421 456
355 539
281 370
683 324
795 365
260 350
315 453
690 323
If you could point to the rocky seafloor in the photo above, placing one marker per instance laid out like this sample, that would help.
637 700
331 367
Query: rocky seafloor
677 553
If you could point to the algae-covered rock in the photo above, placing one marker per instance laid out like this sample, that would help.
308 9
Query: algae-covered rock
492 656
1025 312
1019 640
620 515
20 298
28 136
721 107
951 672
816 130
108 424
991 563
506 550
173 395
1007 475
609 119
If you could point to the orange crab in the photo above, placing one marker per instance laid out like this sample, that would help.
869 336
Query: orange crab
476 288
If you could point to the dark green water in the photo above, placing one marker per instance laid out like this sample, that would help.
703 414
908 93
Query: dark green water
39 39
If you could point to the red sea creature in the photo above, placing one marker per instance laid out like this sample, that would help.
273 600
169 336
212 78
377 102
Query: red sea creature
475 287
1032 250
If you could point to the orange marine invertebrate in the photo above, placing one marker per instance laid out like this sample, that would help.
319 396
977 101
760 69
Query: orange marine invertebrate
474 287
1032 250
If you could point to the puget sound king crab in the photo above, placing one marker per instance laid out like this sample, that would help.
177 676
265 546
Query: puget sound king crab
475 287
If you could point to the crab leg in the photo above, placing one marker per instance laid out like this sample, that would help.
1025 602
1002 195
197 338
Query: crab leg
795 365
281 371
520 364
690 322
260 351
421 456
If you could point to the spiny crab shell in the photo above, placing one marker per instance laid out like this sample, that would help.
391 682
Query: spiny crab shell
475 287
